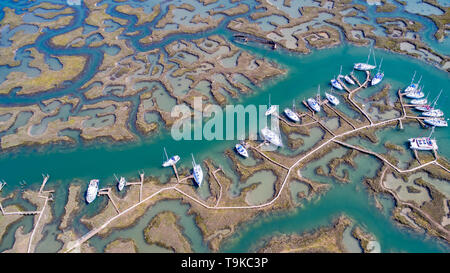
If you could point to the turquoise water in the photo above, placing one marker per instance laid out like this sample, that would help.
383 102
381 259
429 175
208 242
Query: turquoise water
83 161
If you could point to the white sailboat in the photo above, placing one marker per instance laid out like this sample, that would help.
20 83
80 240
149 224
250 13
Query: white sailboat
364 66
423 108
332 99
271 109
335 83
197 172
170 161
92 190
313 103
416 94
438 122
434 112
291 113
379 76
349 80
121 183
271 137
419 101
423 143
413 86
241 150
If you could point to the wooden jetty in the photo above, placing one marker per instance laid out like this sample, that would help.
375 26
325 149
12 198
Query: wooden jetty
339 115
45 177
107 192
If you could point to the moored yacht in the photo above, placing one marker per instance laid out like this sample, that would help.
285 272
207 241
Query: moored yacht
313 104
170 161
335 83
412 87
121 183
332 99
435 113
417 94
271 109
379 76
241 150
291 113
197 172
422 143
423 108
349 80
271 136
365 66
438 122
92 190
419 101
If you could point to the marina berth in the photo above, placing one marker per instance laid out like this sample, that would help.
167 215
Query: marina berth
92 190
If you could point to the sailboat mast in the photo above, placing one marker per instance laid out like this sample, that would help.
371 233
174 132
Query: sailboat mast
374 59
166 153
434 104
432 131
368 56
193 160
318 92
379 68
412 80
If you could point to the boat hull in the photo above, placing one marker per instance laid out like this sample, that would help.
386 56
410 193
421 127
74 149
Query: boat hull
363 66
291 115
313 104
436 122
